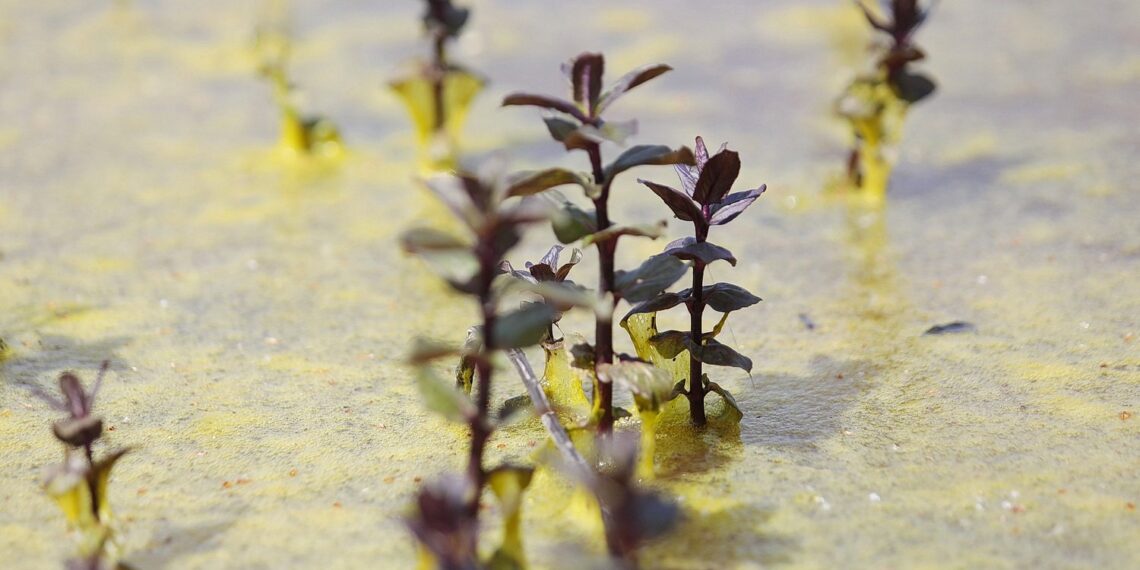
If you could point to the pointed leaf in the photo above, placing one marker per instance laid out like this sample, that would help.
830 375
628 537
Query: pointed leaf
726 297
662 302
572 223
671 343
912 87
650 386
682 206
645 155
524 327
528 183
441 398
629 81
611 131
715 353
552 103
567 132
717 177
688 248
421 240
651 278
732 409
586 72
575 259
733 205
424 351
652 231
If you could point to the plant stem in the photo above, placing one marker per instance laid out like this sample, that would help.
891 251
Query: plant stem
480 425
696 393
439 72
604 330
92 481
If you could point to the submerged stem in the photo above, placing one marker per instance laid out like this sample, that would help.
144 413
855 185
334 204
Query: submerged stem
696 393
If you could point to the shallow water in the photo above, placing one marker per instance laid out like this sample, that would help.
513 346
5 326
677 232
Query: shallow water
256 310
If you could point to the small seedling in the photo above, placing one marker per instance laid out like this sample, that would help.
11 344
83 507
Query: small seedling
79 484
439 92
301 135
471 265
706 200
876 103
578 125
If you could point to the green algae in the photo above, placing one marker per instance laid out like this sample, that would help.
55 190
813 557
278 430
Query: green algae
255 312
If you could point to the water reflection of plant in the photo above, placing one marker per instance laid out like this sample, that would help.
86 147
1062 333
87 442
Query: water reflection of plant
876 103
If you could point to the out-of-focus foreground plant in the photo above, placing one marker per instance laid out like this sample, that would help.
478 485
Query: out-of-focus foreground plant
79 484
439 92
446 521
876 103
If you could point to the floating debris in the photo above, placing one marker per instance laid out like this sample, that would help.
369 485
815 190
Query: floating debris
951 328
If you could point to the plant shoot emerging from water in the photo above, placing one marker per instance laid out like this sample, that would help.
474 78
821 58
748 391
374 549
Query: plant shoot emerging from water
578 125
706 200
79 484
439 92
301 135
876 103
447 519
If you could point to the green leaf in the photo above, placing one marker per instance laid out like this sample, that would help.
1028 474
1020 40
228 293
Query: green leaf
670 343
645 155
652 231
732 410
420 240
682 206
610 131
567 133
424 351
442 398
650 385
629 81
528 183
524 327
571 223
726 297
652 277
715 353
717 177
912 87
661 302
690 249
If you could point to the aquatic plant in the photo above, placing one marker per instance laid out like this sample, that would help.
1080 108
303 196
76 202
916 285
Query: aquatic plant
876 103
79 484
302 135
578 125
705 200
446 521
439 92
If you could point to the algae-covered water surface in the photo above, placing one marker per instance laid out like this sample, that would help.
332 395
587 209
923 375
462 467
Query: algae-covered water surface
257 310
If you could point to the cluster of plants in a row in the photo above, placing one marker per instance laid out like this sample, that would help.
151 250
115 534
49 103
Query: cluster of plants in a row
521 305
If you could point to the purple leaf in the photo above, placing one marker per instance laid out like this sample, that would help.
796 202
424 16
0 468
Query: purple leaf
717 177
527 99
629 81
683 207
733 205
586 77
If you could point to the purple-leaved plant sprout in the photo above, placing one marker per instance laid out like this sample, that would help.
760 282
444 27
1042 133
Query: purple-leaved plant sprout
705 200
